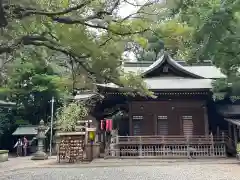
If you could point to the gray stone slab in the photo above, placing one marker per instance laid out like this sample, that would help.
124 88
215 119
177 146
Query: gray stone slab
173 172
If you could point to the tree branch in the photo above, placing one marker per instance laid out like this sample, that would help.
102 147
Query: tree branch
86 67
67 20
25 11
37 40
3 20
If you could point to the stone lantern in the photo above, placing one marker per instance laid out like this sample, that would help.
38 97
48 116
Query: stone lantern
40 154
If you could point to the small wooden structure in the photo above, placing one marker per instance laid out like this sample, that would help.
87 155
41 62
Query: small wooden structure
73 146
30 131
70 145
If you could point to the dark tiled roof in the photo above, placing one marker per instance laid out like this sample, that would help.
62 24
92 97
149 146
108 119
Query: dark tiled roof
26 130
204 69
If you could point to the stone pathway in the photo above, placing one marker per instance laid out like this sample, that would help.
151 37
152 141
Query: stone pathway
15 163
174 171
26 163
143 162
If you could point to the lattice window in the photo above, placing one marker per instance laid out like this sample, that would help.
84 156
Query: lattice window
136 122
137 117
187 117
162 117
162 125
187 125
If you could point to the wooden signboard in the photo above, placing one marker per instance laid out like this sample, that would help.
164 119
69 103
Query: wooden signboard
71 148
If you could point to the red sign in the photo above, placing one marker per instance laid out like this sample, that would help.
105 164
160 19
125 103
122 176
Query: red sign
110 125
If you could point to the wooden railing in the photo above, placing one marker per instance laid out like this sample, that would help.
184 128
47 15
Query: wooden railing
169 139
167 146
168 151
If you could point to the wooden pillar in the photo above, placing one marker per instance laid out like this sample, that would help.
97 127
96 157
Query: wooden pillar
130 126
238 132
206 121
155 124
130 120
235 135
229 130
218 131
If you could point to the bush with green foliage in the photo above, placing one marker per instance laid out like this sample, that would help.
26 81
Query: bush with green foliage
69 114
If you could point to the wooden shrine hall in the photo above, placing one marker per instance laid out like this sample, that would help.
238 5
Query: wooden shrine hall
179 113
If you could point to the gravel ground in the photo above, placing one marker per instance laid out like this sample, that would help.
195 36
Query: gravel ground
168 172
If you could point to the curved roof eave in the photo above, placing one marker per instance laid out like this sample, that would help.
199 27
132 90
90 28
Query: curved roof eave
166 57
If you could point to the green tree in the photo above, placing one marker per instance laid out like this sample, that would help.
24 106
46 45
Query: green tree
31 82
216 37
169 35
90 33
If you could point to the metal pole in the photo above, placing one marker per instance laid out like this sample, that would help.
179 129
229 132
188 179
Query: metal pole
51 128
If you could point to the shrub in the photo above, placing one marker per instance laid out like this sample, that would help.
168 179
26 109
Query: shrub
69 114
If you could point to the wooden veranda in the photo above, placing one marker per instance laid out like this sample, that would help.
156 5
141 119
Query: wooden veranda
166 147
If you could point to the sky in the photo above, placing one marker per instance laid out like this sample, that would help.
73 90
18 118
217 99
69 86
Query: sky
127 9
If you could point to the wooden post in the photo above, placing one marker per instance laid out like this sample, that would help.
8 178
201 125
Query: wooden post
235 135
238 131
188 147
140 147
86 133
117 147
229 130
223 137
130 126
130 119
212 145
218 131
206 121
156 124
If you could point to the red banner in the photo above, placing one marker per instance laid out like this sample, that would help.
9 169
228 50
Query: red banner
107 125
110 124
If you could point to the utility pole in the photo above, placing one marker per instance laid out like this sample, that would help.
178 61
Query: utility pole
51 128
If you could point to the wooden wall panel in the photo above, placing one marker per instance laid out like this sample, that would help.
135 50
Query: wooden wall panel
174 110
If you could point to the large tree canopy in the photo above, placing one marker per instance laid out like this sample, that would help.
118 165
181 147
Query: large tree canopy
84 40
90 33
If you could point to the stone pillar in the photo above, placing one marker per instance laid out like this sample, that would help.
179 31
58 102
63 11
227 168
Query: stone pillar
57 143
40 154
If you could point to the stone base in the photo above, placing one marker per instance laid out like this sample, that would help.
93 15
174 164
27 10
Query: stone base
95 151
39 156
3 155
